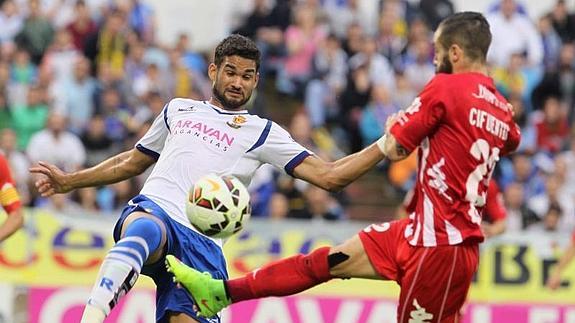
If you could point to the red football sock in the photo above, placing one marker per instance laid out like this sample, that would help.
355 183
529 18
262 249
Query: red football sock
282 277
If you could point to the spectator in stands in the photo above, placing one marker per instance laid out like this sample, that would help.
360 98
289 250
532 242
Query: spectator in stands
58 62
329 72
559 83
96 141
37 33
523 172
5 113
141 19
87 198
112 197
31 117
551 221
57 146
194 61
434 11
555 194
390 42
258 18
352 12
404 94
59 13
551 43
528 142
60 204
418 64
379 69
107 46
115 113
23 71
353 42
563 22
553 128
519 216
11 21
79 99
374 115
507 21
353 99
278 207
302 39
322 205
82 26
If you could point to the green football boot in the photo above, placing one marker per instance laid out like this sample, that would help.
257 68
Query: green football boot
209 294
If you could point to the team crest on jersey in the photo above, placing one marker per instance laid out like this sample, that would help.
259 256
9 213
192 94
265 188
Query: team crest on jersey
237 122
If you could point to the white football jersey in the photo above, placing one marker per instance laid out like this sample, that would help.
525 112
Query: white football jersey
192 138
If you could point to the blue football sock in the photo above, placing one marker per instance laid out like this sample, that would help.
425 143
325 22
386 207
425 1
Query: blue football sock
123 263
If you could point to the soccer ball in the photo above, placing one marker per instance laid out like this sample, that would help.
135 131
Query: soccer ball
218 206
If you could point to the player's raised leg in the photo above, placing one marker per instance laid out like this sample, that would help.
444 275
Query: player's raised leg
280 278
142 241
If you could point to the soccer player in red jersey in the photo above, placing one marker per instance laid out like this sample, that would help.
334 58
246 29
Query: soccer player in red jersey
10 201
461 126
554 280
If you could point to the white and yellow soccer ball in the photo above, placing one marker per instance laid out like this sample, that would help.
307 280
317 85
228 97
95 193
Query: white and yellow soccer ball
218 206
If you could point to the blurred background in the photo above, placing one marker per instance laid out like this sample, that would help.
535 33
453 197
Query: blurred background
81 80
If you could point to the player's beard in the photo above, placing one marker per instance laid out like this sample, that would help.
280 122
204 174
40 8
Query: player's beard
445 67
227 104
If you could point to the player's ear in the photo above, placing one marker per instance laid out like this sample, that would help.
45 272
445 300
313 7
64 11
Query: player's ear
455 53
212 71
257 79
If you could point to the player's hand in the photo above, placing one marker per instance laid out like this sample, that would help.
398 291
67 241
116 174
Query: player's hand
55 180
554 281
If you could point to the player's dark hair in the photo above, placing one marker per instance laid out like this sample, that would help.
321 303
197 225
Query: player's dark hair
237 45
469 30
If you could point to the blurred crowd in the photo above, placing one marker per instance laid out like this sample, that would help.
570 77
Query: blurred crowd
81 80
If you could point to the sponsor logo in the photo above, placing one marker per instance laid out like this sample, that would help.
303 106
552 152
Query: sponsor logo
211 135
419 315
188 109
485 94
237 122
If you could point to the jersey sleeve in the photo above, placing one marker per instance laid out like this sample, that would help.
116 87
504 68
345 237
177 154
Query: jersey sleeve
422 117
513 140
279 149
494 205
9 198
152 143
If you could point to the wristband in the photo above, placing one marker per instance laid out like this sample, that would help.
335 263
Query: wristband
381 143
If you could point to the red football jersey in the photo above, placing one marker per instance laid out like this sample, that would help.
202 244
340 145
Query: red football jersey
461 125
494 206
9 198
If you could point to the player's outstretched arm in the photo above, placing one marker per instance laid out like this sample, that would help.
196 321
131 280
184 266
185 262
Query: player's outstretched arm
14 221
333 176
554 280
115 169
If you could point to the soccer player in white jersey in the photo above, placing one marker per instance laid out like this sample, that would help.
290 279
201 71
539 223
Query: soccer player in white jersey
187 140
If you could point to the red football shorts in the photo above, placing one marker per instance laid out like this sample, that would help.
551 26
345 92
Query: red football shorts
434 280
